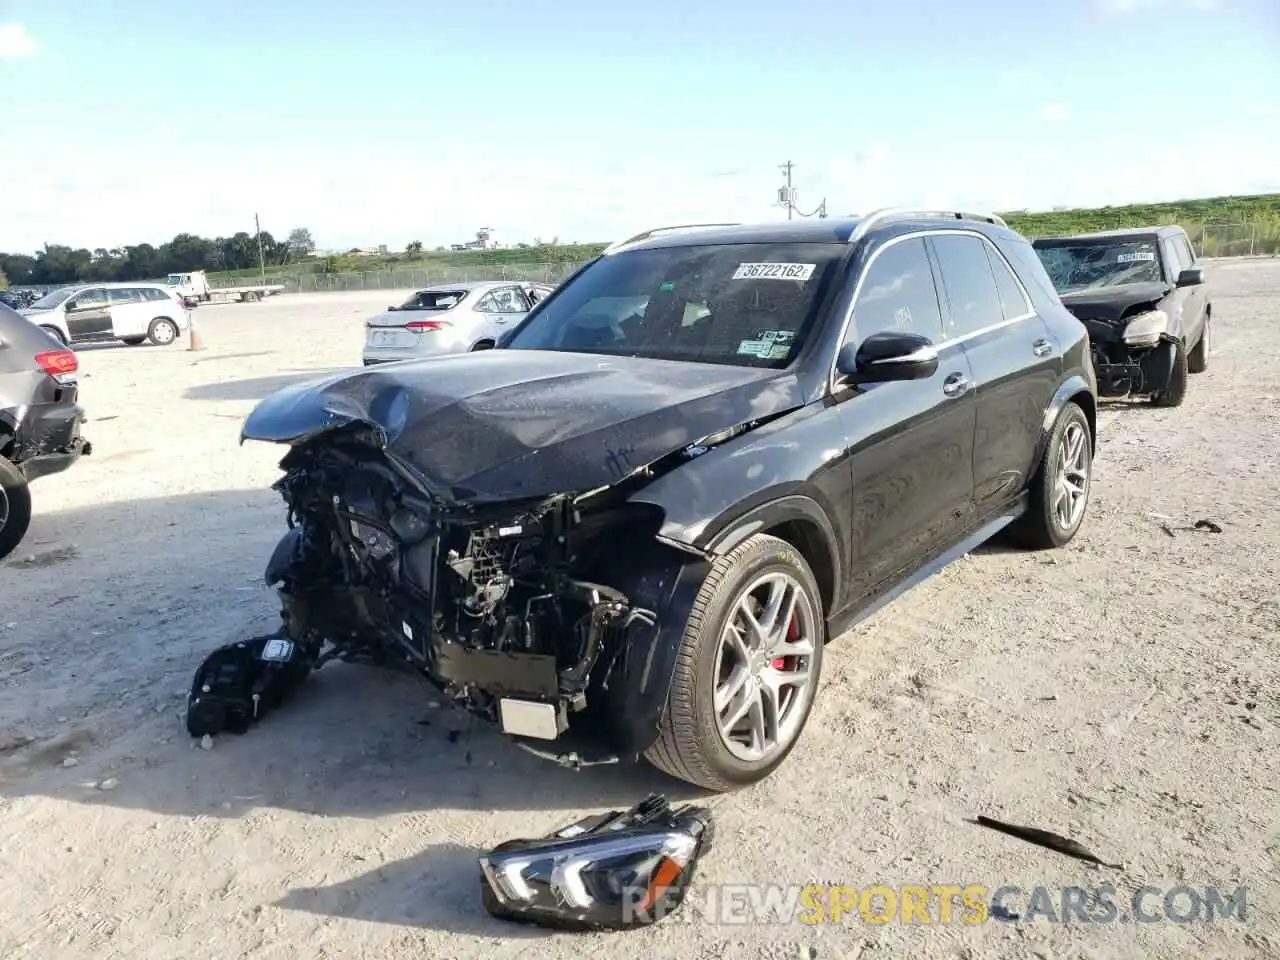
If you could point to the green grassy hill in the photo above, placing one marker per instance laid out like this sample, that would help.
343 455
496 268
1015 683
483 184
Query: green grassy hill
1226 226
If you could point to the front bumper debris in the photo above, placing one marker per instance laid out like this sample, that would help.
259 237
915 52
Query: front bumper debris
1124 371
616 871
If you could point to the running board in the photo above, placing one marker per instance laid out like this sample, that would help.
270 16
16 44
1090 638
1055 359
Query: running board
971 542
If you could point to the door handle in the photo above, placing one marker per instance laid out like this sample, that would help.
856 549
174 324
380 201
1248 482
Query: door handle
956 384
1041 348
499 319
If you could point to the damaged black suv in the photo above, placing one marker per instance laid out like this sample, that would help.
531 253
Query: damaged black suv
630 529
1143 298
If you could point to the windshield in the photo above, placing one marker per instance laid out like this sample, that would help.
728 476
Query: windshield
1087 266
746 304
433 300
51 299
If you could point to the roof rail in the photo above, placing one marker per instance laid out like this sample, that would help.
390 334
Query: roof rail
619 244
888 214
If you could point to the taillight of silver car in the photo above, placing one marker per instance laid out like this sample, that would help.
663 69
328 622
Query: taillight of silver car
59 364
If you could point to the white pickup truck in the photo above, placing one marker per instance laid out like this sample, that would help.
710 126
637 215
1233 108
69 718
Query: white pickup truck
195 285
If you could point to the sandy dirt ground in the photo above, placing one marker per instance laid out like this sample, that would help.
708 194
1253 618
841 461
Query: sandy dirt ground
1124 692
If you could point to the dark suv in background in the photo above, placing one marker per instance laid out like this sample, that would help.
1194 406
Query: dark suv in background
40 418
632 526
1143 298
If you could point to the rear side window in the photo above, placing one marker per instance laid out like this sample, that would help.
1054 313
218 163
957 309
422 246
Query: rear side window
1012 299
1031 271
151 293
122 295
898 294
969 285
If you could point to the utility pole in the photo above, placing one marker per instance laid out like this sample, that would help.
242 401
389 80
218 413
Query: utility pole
791 199
262 261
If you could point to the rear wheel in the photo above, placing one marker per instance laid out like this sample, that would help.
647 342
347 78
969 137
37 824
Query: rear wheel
162 331
1060 490
55 333
15 507
483 345
747 670
250 297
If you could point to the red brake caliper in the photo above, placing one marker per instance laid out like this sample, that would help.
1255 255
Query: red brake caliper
793 634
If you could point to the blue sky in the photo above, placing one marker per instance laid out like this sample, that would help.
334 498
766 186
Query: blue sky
387 121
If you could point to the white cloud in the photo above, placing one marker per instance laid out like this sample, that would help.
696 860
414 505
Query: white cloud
1054 112
16 43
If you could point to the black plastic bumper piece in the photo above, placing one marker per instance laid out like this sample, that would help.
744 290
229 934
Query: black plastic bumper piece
1143 371
496 672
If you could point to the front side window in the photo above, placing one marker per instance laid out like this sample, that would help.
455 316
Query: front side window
745 304
1089 265
970 287
89 300
898 294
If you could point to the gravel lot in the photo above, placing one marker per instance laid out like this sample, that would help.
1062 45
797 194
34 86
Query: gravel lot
1122 692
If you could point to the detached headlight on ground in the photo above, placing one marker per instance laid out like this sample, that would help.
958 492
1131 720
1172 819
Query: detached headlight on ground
618 870
1144 330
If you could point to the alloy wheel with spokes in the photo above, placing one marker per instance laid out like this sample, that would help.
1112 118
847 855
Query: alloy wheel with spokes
747 668
762 669
1071 491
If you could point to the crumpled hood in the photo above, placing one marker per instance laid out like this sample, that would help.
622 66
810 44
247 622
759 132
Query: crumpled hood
1109 304
509 424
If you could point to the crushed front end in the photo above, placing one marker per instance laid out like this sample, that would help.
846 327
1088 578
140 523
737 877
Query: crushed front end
497 605
1132 356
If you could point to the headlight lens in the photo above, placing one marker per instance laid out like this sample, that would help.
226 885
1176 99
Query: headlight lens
1144 330
615 871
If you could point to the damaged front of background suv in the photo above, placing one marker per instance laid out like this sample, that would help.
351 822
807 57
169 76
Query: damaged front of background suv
474 521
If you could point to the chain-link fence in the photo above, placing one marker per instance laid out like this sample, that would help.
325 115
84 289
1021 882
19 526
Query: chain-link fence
404 278
1225 239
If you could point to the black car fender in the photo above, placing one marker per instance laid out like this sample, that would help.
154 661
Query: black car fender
1076 388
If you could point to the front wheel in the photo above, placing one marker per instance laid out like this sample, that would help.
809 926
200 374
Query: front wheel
747 670
162 331
15 507
1176 390
1198 359
1060 489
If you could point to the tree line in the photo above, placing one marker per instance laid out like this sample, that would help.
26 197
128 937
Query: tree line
58 264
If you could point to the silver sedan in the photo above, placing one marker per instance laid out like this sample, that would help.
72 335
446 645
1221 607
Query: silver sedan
449 318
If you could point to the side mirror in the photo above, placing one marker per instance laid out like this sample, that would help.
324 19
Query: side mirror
886 356
1191 277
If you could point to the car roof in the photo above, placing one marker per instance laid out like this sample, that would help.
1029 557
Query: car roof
822 230
1125 233
467 285
115 285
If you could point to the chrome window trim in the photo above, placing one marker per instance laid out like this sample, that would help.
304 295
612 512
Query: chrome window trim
945 342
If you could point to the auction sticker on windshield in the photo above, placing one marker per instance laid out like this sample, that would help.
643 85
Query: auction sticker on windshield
1135 257
774 271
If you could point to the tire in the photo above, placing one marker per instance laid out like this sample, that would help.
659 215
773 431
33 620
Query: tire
250 297
1198 358
483 345
162 331
1176 391
690 743
15 507
1043 526
55 333
134 341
